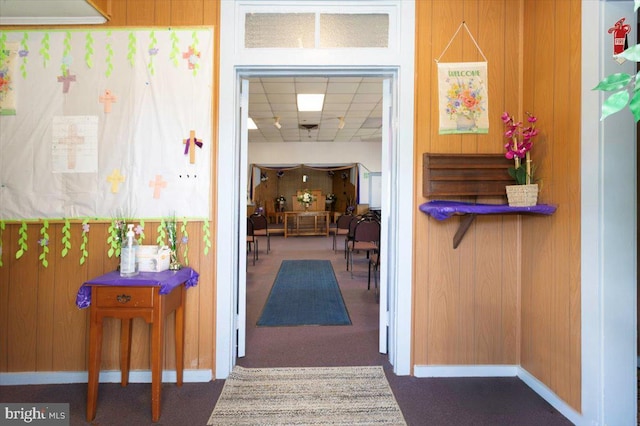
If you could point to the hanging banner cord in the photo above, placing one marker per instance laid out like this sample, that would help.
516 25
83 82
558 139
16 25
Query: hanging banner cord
463 24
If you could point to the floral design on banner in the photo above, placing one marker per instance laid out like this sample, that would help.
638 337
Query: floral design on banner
463 97
24 53
139 231
85 241
131 49
88 50
66 238
22 241
192 56
44 243
44 49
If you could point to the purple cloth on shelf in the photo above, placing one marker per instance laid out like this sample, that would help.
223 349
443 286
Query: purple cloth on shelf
442 210
166 280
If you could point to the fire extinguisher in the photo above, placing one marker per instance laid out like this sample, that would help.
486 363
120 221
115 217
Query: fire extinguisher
620 31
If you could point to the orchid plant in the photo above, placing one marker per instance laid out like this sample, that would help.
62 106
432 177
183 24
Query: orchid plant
518 147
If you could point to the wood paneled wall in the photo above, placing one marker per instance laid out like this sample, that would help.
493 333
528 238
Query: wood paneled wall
510 293
41 329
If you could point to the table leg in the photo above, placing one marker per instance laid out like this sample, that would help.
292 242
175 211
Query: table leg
180 336
157 352
125 350
95 350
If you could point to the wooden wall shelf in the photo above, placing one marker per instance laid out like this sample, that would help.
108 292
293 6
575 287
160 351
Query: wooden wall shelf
442 210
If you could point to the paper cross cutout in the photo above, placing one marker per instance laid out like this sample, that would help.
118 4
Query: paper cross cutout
191 141
66 80
107 99
157 185
72 140
191 56
115 178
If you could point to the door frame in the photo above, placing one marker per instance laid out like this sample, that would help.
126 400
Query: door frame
230 197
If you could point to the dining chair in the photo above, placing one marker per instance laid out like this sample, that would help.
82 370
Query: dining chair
366 237
252 241
261 228
341 228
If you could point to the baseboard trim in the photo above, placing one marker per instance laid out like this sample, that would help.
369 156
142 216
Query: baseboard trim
465 370
110 376
502 371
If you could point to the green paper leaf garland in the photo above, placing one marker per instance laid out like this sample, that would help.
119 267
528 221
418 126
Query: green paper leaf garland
206 236
152 52
85 241
66 238
4 53
66 53
195 42
44 49
1 232
175 49
24 47
44 243
112 240
131 52
22 241
185 239
162 233
109 57
88 50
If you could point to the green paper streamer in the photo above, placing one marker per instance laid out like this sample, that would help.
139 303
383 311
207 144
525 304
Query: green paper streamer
207 237
66 52
113 240
175 49
25 47
44 49
131 54
85 241
141 237
3 49
109 57
88 50
185 234
1 232
22 241
152 46
66 238
194 37
162 234
44 241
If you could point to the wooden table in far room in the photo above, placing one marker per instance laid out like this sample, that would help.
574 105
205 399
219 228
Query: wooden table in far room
300 223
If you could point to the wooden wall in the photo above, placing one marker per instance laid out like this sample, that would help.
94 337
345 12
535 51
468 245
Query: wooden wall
510 293
41 329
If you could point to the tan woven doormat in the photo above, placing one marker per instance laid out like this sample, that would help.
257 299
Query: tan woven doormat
307 396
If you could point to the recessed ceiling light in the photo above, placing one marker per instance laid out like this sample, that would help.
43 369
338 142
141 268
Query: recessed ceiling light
251 125
310 101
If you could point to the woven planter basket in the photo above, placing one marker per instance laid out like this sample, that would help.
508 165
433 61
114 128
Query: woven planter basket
522 195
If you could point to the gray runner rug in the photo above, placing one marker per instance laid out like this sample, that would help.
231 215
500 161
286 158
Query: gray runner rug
307 396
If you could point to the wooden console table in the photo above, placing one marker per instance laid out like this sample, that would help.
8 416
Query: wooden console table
150 295
306 223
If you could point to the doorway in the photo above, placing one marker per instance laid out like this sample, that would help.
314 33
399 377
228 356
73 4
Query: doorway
317 152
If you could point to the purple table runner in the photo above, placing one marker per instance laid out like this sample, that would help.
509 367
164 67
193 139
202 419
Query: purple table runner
166 280
442 210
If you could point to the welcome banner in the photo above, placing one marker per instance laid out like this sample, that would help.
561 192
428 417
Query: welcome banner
463 97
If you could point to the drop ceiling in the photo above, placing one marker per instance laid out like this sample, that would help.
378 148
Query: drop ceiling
357 99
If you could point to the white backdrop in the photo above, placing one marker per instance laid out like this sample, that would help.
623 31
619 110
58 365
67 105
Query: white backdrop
69 152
